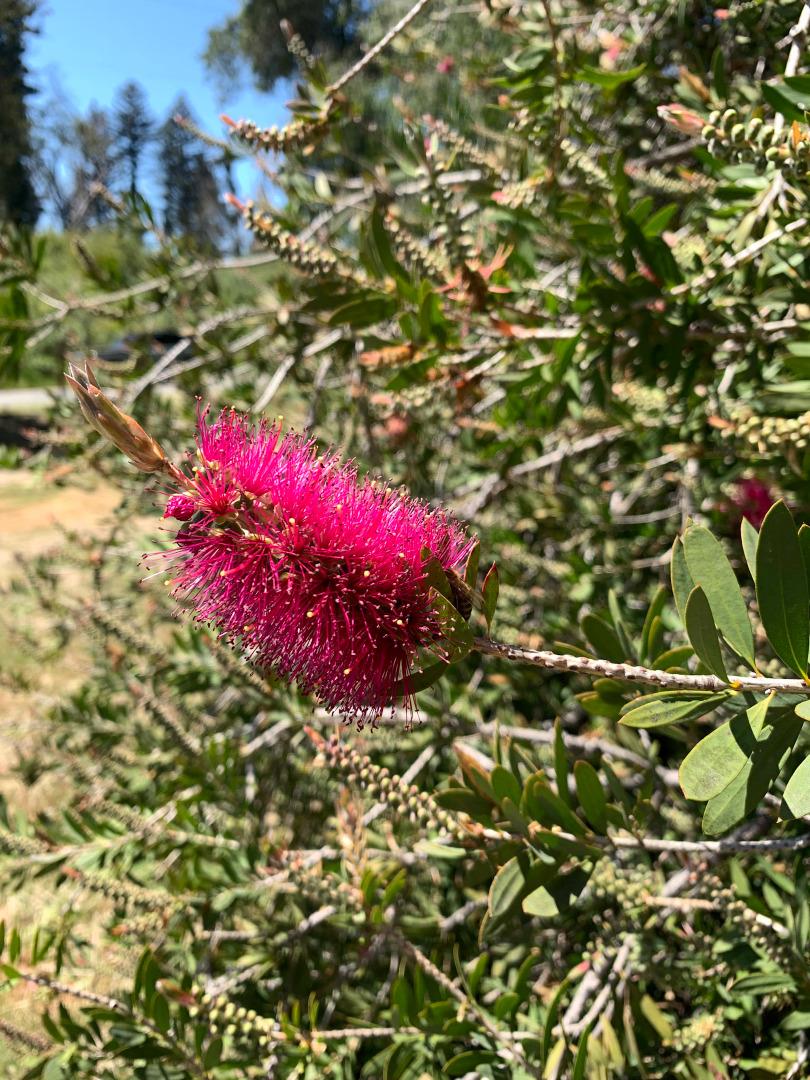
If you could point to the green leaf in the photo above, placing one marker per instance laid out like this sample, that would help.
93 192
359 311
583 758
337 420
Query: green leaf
560 768
764 982
750 539
782 595
514 879
710 766
506 887
419 680
467 1062
581 1059
489 592
791 97
556 896
719 80
591 795
682 583
608 79
603 638
750 785
458 798
551 1017
456 633
647 632
796 799
702 633
618 623
658 1020
709 568
545 806
213 1054
364 311
505 785
671 707
161 1016
471 566
804 544
437 850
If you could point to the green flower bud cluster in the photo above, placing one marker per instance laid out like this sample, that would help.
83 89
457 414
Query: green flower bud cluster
125 892
584 163
280 140
235 1021
754 140
650 400
321 888
771 435
297 47
702 1030
666 184
414 253
520 194
166 719
302 254
13 844
462 145
145 926
622 887
403 798
138 644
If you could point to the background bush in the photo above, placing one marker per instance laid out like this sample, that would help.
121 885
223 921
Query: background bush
544 265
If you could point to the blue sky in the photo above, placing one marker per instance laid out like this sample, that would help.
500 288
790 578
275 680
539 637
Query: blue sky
88 48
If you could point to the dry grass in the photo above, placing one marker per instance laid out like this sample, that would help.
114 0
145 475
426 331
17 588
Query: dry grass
33 512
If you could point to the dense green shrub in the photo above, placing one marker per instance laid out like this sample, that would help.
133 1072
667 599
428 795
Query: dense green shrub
572 310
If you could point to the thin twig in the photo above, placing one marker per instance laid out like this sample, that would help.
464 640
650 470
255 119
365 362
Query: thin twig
583 665
796 36
375 50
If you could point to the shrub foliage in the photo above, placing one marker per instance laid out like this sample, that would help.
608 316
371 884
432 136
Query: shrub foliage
571 311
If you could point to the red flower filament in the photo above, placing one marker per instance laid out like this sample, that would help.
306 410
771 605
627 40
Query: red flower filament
317 573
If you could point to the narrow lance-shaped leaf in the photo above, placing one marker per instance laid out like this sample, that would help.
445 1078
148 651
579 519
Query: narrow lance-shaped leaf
804 544
682 583
702 633
603 638
618 623
782 593
489 591
672 707
750 539
590 794
648 631
709 568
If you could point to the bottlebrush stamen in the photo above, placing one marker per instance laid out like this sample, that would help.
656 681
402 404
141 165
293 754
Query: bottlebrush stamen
314 571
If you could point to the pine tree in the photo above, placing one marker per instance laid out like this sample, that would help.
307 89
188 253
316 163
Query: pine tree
134 128
18 199
192 204
95 167
253 36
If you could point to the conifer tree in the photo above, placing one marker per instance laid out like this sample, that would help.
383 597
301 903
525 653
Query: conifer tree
18 198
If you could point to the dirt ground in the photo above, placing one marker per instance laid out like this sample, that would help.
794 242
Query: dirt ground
33 512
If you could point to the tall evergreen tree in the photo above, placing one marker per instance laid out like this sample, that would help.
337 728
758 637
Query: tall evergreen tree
253 36
192 203
18 199
134 129
95 167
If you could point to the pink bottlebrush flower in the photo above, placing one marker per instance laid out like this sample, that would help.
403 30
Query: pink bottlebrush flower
445 65
316 572
752 499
